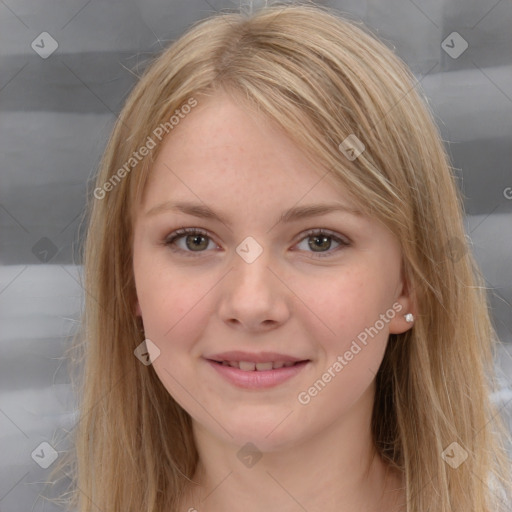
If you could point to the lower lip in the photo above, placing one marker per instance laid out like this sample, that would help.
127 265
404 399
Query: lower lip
257 379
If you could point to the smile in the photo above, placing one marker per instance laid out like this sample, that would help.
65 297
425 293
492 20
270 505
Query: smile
248 366
261 375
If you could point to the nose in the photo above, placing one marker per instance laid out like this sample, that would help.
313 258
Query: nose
254 296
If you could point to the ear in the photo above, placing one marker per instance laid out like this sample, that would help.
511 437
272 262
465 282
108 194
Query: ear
405 302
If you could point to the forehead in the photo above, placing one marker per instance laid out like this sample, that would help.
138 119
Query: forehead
226 153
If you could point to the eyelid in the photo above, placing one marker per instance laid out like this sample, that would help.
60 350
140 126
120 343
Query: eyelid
333 234
182 232
342 240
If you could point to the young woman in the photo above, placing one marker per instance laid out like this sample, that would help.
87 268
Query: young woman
281 313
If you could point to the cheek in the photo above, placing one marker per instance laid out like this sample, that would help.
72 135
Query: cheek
175 310
342 305
343 320
350 350
174 305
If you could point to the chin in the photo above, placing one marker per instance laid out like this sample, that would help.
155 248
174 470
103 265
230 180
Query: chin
267 434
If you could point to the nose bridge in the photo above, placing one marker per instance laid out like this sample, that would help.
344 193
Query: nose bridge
251 264
252 295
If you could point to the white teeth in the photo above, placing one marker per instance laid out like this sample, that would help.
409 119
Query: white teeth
247 366
264 366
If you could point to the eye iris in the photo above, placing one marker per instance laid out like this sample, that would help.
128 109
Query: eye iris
195 238
323 238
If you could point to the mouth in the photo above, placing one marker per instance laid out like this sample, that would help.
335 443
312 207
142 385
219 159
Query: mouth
269 370
252 366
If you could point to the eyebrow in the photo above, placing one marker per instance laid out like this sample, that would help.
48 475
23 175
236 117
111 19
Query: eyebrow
291 215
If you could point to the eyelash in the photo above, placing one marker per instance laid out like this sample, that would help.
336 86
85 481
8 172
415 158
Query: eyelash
179 233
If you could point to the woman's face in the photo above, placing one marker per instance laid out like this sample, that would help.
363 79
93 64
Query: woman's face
262 288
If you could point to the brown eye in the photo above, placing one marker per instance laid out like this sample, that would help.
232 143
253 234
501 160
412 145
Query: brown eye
320 243
196 240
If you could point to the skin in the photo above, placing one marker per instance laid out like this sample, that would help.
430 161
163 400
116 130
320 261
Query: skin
317 456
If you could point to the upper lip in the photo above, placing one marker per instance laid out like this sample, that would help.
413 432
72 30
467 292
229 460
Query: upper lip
259 357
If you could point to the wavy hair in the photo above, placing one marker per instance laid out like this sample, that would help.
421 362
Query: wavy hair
321 78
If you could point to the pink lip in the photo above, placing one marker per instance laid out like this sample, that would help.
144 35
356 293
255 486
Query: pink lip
256 379
259 357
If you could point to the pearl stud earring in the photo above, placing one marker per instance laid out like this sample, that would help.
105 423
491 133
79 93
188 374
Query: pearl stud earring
409 318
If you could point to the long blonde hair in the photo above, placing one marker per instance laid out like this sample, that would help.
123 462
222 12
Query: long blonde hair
322 79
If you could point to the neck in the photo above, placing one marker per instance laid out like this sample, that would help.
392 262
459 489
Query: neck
335 470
